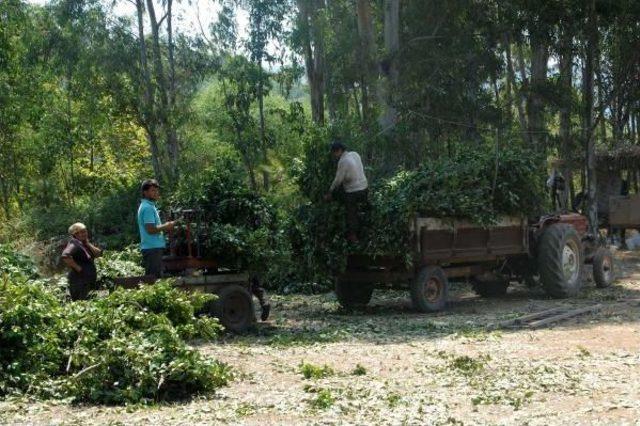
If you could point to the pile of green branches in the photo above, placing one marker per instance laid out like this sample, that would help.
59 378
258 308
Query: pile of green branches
128 347
115 264
478 185
240 228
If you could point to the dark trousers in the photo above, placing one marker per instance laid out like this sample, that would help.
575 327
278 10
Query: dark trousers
81 283
354 203
152 261
258 291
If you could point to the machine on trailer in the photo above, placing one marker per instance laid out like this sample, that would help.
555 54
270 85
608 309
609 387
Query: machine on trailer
192 270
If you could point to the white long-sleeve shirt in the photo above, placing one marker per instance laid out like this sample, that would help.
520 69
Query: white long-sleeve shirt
350 173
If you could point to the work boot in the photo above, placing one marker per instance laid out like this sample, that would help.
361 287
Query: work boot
266 309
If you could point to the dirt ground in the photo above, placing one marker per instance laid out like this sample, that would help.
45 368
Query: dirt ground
390 365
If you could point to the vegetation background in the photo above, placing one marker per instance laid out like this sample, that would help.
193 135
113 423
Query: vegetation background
92 102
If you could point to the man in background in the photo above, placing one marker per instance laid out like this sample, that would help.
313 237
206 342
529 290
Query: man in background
151 229
350 176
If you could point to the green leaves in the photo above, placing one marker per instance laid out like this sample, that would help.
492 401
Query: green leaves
478 185
126 348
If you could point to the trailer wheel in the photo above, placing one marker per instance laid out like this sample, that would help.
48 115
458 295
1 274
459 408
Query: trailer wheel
352 294
560 260
603 268
430 289
495 287
234 308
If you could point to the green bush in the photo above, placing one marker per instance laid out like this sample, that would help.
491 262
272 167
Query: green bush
15 264
126 348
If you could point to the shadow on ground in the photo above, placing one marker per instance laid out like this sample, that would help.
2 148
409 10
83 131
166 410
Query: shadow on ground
390 318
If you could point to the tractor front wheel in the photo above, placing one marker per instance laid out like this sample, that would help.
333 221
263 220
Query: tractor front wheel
603 268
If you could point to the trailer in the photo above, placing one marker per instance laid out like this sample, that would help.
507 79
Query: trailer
551 251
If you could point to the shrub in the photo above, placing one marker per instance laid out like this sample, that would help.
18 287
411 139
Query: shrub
15 264
310 371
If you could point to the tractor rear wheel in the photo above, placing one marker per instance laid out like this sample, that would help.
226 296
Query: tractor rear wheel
353 294
234 308
603 268
560 260
430 289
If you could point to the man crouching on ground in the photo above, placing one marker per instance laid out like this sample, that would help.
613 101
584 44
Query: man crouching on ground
350 175
152 241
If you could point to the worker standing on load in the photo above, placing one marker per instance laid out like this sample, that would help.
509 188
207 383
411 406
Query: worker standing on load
350 176
152 241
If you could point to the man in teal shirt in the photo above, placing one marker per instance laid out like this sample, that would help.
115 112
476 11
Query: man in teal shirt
152 242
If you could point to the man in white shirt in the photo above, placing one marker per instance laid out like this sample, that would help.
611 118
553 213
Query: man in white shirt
350 176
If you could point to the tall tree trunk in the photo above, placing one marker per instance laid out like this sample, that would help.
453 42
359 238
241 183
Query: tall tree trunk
313 36
521 92
164 110
589 140
566 148
369 71
173 147
535 101
147 110
390 72
263 138
510 78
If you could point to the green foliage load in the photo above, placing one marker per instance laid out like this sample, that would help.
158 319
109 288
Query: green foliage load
478 185
126 348
241 229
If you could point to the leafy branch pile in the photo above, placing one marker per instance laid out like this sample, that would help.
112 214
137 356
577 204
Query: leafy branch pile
240 229
114 264
478 185
126 348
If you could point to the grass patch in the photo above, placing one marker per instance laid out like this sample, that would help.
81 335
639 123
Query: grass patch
359 370
305 338
323 399
310 371
244 410
393 399
467 365
583 352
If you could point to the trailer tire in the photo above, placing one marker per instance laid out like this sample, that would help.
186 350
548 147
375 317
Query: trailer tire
603 268
234 308
490 288
430 289
560 260
352 294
